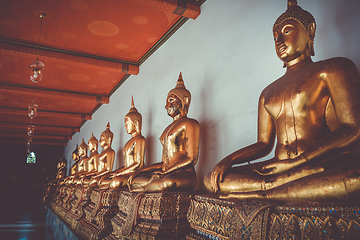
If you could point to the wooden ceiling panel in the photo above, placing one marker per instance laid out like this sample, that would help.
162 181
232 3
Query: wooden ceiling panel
61 75
89 49
120 29
54 102
50 121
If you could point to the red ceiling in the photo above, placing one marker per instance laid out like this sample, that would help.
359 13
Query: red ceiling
89 48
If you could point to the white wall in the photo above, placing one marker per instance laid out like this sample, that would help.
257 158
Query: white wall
227 56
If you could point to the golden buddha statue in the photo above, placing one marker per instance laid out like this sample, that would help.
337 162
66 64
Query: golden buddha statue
83 163
133 152
61 169
313 110
75 158
92 161
79 167
180 141
105 159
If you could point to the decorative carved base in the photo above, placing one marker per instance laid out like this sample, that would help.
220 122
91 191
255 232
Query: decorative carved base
151 216
81 200
314 221
98 213
65 204
213 218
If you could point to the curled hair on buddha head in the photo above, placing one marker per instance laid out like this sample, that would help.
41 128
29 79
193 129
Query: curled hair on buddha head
304 18
135 116
107 133
182 93
93 139
83 145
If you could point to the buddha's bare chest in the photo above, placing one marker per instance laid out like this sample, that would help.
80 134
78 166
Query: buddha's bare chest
129 153
299 97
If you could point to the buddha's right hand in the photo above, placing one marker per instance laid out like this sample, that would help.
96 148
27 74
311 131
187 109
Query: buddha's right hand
217 174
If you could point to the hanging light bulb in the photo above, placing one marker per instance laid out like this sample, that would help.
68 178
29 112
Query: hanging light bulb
28 141
32 109
36 71
37 67
30 130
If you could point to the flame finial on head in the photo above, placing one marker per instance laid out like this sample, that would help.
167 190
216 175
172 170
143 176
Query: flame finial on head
93 138
83 144
132 109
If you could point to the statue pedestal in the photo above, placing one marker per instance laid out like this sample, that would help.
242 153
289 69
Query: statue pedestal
81 200
151 215
65 206
98 213
314 221
213 218
60 193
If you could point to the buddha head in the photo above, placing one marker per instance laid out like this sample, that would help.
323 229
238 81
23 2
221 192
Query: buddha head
133 120
82 149
106 137
75 154
93 143
178 99
294 33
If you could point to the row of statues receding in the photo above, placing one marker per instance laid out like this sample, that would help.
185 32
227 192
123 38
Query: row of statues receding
180 142
313 111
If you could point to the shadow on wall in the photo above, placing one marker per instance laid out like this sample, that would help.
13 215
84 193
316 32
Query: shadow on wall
149 140
208 135
119 158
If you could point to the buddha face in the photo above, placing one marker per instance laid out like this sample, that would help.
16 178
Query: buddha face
92 146
81 151
74 156
103 142
129 126
291 41
173 105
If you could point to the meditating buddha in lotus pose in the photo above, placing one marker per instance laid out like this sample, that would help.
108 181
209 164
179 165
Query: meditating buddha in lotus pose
92 162
106 158
75 158
180 141
81 164
133 152
313 110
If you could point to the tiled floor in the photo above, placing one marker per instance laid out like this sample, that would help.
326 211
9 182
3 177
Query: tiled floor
21 213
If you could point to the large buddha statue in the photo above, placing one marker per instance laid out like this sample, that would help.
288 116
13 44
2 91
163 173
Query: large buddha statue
92 161
313 111
133 152
180 141
106 158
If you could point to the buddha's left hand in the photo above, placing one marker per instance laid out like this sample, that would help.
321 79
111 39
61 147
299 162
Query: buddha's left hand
280 166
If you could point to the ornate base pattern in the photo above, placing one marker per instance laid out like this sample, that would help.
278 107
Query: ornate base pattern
151 216
325 221
213 218
96 223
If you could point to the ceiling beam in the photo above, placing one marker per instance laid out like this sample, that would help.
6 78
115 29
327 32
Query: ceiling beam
35 136
34 142
183 8
9 45
41 113
42 127
47 92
